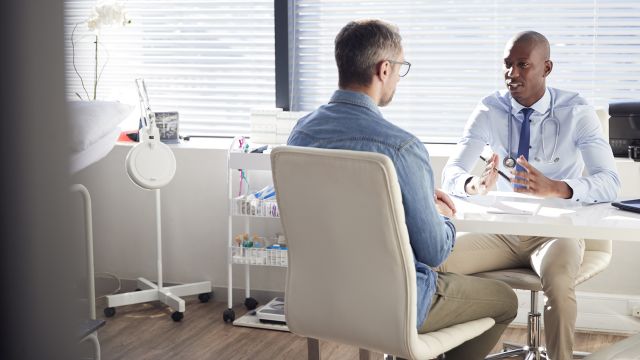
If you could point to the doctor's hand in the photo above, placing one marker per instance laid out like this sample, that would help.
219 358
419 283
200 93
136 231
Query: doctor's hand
535 183
483 183
444 204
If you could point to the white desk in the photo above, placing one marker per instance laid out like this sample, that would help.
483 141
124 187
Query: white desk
551 217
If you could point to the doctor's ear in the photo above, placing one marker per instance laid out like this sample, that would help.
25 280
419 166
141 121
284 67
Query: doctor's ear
548 66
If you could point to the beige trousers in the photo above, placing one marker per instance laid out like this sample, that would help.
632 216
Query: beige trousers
557 262
461 298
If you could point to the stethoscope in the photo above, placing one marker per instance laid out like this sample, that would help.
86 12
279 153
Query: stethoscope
510 161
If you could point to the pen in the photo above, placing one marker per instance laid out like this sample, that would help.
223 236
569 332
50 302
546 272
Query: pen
499 172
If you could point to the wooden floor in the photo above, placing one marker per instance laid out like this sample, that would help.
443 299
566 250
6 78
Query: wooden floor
146 331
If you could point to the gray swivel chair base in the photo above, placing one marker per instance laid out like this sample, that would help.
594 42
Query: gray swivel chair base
597 255
533 350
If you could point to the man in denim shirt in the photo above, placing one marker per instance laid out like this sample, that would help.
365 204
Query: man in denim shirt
370 63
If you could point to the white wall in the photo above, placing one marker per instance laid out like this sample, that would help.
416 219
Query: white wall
195 222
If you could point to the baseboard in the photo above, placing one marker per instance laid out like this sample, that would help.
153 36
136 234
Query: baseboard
596 312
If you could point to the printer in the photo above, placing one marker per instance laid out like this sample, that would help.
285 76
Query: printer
624 128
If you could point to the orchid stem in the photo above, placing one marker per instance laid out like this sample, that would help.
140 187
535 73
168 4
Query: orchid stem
95 82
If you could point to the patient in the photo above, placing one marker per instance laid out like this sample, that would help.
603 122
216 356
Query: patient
370 63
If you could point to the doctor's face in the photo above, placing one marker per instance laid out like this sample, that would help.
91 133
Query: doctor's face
525 70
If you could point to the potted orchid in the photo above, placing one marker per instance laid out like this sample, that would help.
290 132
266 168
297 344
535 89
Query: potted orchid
103 14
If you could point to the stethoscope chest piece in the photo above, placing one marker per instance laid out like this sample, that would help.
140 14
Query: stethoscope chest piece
509 162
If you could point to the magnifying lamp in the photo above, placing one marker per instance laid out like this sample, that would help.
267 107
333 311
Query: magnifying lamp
152 165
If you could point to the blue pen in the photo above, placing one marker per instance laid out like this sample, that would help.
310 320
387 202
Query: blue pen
499 172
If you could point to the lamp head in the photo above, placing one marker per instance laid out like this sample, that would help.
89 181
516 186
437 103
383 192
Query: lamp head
151 163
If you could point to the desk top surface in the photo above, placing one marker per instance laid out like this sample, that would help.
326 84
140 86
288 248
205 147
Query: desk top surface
512 213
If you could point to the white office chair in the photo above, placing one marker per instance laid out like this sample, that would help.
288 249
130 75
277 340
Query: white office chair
351 276
597 256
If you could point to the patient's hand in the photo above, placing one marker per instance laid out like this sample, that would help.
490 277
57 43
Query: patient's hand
444 204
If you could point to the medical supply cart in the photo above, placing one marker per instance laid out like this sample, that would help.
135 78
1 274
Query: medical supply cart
241 209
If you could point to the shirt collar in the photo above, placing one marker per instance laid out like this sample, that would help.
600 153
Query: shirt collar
541 106
355 98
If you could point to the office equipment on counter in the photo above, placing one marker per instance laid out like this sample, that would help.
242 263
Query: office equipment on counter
628 205
151 165
624 127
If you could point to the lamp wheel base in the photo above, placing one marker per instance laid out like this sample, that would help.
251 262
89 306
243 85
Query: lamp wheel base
250 303
109 312
177 316
228 315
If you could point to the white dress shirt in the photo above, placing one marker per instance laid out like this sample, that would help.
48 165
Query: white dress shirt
561 149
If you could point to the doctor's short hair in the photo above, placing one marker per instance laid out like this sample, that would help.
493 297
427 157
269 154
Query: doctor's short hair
360 45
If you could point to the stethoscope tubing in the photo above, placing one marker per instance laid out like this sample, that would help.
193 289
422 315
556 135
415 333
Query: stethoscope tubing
509 161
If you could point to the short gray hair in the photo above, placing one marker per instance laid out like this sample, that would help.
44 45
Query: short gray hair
360 45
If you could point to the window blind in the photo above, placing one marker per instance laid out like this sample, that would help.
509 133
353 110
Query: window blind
212 61
456 51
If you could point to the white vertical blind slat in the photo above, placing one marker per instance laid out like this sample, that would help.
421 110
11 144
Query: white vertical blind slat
212 61
456 50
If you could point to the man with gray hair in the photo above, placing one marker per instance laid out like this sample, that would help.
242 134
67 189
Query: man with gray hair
370 63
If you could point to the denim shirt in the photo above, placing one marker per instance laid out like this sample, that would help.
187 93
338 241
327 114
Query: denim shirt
352 121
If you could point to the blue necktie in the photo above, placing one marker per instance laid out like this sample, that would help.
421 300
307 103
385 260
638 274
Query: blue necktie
525 136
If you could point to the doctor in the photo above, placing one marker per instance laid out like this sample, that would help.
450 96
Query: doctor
545 138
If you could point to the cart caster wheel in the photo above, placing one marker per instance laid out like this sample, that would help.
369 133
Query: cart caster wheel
250 303
204 297
109 312
177 316
228 315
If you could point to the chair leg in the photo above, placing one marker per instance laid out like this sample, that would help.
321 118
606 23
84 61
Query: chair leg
507 354
313 349
391 357
365 354
533 350
580 354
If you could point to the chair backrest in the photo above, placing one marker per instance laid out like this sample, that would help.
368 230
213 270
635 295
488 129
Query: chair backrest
351 275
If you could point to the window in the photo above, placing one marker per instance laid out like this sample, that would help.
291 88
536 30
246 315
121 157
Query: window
213 60
210 60
456 50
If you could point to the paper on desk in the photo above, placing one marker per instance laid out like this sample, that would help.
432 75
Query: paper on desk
513 207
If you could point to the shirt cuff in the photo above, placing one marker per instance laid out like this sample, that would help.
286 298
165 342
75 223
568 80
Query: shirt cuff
579 190
459 188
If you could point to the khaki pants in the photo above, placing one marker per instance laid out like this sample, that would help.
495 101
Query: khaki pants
557 262
461 298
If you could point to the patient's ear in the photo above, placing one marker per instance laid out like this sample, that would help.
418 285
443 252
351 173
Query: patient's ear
383 69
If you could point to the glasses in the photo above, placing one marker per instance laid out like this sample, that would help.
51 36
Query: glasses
404 67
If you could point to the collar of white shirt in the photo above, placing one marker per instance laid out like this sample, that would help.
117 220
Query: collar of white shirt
541 106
